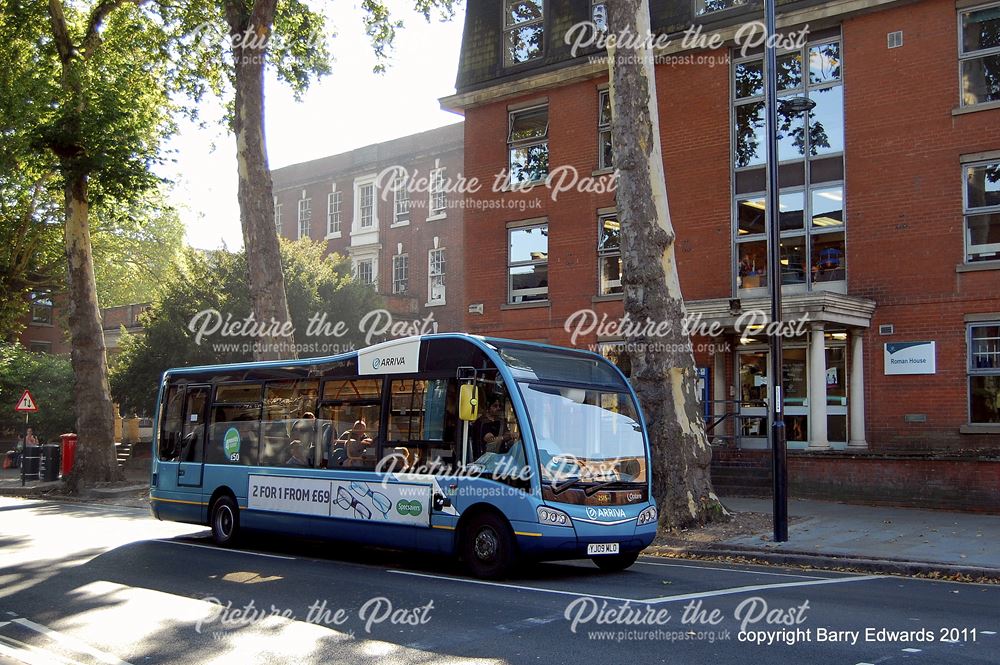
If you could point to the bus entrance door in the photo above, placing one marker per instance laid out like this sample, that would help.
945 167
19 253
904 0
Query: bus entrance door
189 471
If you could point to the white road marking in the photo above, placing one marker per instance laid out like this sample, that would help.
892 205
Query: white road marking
514 586
25 653
3 623
219 549
911 650
730 570
648 601
988 632
758 587
71 642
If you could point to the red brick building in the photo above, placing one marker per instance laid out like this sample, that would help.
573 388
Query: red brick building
890 218
393 209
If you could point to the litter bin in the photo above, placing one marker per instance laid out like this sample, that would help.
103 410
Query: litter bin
68 452
30 461
48 469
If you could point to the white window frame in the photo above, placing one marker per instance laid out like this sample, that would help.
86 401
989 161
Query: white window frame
607 253
438 197
513 144
42 300
510 28
277 217
968 211
334 217
400 200
602 129
437 269
305 218
972 370
369 261
360 185
511 264
969 56
400 273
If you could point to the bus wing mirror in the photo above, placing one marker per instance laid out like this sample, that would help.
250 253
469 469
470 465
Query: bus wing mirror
468 402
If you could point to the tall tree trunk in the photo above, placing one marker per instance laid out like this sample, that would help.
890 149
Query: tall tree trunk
95 457
664 380
249 31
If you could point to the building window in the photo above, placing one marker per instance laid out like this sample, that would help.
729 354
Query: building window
605 155
400 198
439 199
364 271
40 347
435 276
333 203
528 143
366 205
979 54
523 30
400 273
305 217
41 308
609 255
810 170
982 212
528 263
709 6
984 372
277 217
599 14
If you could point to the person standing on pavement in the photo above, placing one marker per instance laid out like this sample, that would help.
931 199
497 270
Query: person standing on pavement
29 438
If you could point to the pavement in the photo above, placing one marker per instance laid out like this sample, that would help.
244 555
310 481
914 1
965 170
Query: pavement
874 538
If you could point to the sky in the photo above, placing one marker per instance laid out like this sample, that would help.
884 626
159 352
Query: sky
350 108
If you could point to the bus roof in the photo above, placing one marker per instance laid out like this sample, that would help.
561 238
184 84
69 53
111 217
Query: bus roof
490 344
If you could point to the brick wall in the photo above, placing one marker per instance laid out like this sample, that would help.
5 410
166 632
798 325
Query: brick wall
904 209
918 482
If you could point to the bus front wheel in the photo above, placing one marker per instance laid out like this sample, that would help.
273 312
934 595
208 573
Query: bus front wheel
225 521
613 563
487 546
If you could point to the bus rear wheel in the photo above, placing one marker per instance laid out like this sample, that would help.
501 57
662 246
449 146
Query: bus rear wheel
225 521
487 546
614 563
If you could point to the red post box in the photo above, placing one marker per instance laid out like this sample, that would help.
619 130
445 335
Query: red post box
68 452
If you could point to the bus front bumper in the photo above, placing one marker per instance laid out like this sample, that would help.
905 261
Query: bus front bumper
554 543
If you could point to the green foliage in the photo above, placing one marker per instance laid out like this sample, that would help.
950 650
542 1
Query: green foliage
50 380
136 247
217 281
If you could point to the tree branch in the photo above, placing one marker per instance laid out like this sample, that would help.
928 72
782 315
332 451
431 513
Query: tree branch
64 45
92 38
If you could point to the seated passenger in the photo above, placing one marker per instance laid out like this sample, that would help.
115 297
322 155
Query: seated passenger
297 457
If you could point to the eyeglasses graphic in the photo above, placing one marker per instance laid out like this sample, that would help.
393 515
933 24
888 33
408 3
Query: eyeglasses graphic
379 500
347 501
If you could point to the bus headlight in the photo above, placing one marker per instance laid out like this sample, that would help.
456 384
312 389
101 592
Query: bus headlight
646 516
553 517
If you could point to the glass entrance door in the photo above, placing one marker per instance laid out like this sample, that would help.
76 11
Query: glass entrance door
753 380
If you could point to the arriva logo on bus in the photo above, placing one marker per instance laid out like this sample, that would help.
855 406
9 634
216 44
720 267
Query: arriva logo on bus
606 513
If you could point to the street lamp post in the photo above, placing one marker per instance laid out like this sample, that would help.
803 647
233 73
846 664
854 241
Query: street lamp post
779 462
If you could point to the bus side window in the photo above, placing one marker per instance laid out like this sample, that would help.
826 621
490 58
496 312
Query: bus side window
172 423
422 425
235 425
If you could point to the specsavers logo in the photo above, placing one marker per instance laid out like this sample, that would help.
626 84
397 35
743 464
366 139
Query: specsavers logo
412 508
231 442
605 513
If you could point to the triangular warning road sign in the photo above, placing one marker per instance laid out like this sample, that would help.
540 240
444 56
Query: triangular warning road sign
26 403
